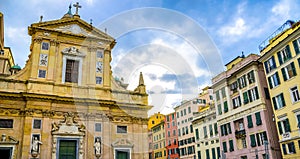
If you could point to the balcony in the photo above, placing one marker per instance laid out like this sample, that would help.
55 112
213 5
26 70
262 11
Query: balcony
240 134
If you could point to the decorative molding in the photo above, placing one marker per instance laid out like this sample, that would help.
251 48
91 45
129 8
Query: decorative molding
122 143
54 42
73 51
38 40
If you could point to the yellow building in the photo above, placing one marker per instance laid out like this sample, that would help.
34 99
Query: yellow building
65 102
159 141
155 119
280 54
6 58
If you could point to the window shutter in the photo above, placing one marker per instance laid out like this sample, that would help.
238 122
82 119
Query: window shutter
277 77
231 148
289 55
266 66
252 140
250 96
288 127
274 103
225 107
258 118
296 47
270 82
250 123
293 69
284 149
299 62
229 128
256 93
274 64
283 74
224 147
282 99
279 57
216 128
279 127
245 95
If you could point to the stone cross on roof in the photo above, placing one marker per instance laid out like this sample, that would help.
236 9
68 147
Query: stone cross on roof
76 6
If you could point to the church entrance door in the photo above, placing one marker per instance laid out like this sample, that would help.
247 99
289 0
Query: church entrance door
67 149
5 153
121 154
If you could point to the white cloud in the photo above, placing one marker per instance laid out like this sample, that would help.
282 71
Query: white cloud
282 9
239 28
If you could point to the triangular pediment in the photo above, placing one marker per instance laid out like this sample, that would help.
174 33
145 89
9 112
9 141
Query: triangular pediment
71 26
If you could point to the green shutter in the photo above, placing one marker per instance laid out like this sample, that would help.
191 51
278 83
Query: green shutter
274 103
296 47
252 140
245 95
213 152
266 66
279 57
224 147
258 118
279 128
283 74
229 128
284 149
216 128
231 148
270 82
293 69
289 55
282 99
277 77
197 134
287 125
256 92
250 123
225 107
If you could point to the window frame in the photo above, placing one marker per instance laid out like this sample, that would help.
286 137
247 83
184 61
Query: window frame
295 96
117 129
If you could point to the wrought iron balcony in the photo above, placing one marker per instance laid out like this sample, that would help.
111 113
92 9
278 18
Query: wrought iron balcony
240 134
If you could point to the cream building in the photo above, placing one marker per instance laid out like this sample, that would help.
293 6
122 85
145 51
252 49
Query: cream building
65 100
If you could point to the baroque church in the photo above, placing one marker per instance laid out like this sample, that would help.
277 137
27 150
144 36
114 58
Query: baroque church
65 103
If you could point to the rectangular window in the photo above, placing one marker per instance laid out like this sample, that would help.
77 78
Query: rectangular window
42 74
217 95
189 109
289 71
224 147
6 123
244 143
213 153
225 107
284 55
295 94
258 118
236 102
207 154
218 152
270 64
191 128
177 114
242 81
99 54
251 77
205 132
250 123
284 126
37 124
296 44
197 134
231 147
288 148
98 80
98 127
45 46
43 59
184 111
72 68
211 133
278 101
274 80
121 129
251 95
234 87
99 67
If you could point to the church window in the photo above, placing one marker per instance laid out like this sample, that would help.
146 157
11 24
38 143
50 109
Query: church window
37 123
99 54
72 67
98 80
121 129
6 123
98 127
45 46
42 73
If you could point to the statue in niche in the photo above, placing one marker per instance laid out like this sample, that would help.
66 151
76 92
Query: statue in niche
35 147
97 147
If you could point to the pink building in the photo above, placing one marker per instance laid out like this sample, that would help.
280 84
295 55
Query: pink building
171 136
244 112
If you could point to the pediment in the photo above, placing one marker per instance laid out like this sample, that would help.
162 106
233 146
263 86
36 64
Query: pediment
69 126
73 26
122 143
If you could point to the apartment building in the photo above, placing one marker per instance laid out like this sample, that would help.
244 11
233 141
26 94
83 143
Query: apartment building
171 136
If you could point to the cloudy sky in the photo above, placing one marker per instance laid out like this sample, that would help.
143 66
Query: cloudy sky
179 45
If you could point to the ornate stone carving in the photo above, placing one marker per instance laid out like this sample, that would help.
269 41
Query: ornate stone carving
122 143
54 42
68 126
73 51
38 40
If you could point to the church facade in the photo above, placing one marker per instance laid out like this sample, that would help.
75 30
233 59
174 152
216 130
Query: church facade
65 102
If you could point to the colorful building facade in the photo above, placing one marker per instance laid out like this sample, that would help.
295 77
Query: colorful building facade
244 111
159 141
280 54
171 136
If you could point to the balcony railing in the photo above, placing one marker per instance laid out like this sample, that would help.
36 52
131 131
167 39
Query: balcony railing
240 134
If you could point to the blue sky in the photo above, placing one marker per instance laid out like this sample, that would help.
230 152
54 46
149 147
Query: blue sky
178 44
